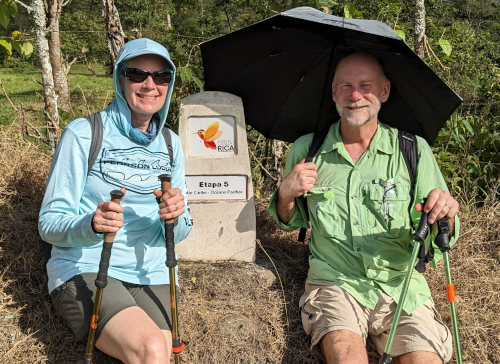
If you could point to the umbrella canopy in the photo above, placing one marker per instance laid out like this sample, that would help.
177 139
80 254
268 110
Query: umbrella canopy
282 68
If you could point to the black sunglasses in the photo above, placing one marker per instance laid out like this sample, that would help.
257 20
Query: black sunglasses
138 75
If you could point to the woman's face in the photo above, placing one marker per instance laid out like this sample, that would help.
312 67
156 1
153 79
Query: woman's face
144 98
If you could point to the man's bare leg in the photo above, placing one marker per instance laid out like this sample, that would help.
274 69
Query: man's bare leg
344 346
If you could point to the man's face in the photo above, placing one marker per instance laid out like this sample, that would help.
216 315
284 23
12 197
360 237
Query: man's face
144 98
359 88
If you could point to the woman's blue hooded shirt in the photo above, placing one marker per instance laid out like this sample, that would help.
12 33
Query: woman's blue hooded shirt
72 193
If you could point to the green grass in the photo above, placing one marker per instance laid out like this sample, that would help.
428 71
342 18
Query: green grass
24 87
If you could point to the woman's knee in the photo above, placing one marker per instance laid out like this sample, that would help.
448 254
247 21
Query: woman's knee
154 349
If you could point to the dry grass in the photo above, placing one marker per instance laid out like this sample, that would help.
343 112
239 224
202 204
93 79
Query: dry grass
229 312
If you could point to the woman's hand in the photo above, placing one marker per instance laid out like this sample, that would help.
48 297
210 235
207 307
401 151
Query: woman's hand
107 218
171 203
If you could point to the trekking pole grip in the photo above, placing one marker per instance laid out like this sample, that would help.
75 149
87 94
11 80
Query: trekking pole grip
442 239
102 275
423 226
169 226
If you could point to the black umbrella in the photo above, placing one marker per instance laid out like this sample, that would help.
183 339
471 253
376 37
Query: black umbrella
282 68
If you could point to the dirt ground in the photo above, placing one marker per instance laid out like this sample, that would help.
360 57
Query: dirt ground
229 312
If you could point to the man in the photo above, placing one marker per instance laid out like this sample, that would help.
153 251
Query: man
358 198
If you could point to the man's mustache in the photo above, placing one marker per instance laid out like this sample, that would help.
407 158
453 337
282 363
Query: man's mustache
356 105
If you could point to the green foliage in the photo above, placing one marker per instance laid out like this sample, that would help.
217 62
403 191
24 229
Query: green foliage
8 11
186 75
445 46
83 31
464 50
467 152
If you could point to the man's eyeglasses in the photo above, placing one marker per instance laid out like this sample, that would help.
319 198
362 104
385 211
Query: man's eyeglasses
138 75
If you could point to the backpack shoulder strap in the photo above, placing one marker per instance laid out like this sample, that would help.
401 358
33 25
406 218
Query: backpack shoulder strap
317 142
96 127
168 141
409 149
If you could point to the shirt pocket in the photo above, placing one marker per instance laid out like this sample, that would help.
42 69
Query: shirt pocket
388 202
323 211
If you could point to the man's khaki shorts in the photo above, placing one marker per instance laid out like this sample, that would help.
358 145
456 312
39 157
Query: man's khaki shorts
326 308
73 301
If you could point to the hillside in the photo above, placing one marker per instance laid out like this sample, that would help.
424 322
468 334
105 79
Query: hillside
229 312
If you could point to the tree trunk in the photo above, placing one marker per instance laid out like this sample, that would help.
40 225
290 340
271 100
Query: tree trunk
169 21
419 28
114 31
56 58
274 153
50 97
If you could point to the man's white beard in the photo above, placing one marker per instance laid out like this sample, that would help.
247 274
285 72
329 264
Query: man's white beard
356 118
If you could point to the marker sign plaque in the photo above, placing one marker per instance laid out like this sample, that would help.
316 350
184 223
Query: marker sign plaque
216 187
211 136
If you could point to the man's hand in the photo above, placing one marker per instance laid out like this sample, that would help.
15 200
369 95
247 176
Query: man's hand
107 218
299 181
440 204
171 203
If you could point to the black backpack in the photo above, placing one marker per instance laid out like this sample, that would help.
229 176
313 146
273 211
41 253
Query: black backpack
96 127
409 149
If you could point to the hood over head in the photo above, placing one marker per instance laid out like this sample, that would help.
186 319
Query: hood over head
119 108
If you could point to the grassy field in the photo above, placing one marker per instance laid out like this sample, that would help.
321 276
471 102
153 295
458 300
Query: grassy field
231 312
24 89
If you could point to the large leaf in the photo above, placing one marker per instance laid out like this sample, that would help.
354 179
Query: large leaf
17 46
6 47
4 17
401 34
198 83
445 46
350 11
184 74
11 8
8 9
27 49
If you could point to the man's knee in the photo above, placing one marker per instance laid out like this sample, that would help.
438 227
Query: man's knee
418 357
343 346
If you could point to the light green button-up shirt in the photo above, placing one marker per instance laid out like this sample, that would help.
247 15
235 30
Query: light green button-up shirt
360 224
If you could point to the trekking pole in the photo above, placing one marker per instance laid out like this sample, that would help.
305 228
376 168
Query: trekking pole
419 238
177 345
442 241
101 282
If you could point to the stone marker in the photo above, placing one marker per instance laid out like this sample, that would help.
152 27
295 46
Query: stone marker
218 177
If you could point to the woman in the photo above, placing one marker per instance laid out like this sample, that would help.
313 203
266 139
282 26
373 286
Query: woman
134 322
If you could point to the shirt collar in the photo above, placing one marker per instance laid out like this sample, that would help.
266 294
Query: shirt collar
381 141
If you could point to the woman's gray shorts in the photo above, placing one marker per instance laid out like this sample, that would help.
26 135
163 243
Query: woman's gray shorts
73 301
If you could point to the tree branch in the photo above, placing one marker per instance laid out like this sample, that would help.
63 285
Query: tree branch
430 51
7 97
28 8
261 166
